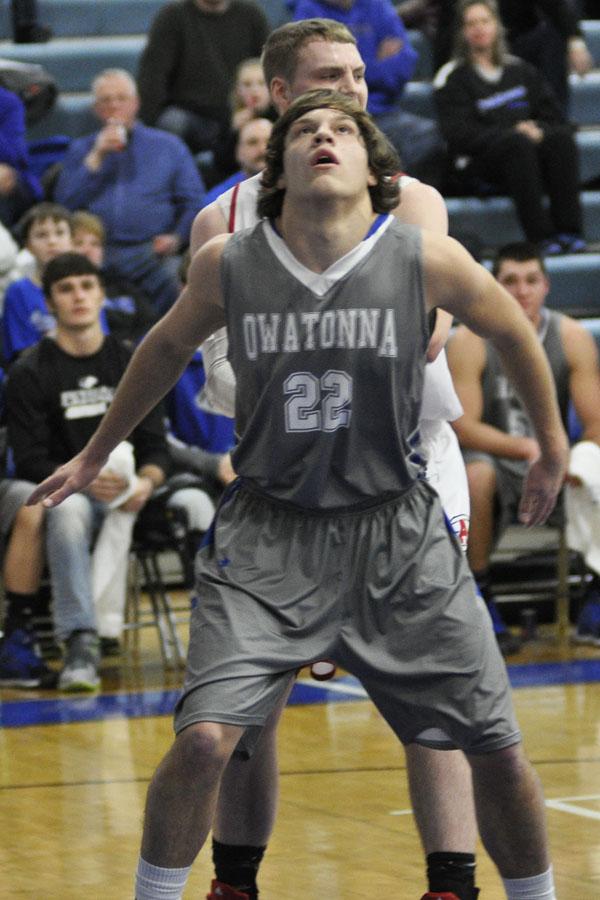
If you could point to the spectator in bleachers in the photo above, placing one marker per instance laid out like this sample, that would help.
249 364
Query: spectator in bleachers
188 66
546 33
129 313
495 433
421 14
22 549
19 187
250 99
384 45
505 130
253 137
143 184
26 24
45 232
56 394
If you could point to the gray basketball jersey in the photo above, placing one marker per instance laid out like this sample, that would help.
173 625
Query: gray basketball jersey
329 382
502 404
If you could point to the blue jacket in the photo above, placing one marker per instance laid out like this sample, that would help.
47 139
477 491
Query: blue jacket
371 22
151 187
13 146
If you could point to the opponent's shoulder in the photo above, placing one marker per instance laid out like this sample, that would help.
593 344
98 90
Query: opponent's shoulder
421 204
208 223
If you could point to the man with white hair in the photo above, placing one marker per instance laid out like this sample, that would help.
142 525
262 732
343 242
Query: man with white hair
142 183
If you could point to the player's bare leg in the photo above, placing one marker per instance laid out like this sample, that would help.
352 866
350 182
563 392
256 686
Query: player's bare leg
183 794
510 812
442 800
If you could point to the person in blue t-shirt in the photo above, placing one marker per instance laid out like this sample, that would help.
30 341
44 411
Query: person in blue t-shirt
46 232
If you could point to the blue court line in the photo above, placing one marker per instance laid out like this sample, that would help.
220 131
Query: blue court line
139 704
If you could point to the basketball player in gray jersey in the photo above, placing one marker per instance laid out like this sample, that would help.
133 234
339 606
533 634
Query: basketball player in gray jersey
300 56
347 558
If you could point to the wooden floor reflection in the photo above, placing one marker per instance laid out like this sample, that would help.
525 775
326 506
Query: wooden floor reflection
72 796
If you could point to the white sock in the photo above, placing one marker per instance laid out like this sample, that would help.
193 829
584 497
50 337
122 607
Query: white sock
538 887
156 883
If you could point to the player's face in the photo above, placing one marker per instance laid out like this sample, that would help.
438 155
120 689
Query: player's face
325 156
480 27
90 245
76 301
331 66
527 284
47 238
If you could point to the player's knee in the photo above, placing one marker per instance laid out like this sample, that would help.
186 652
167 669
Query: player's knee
507 765
204 743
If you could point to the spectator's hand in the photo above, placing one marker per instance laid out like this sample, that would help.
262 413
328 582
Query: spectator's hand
8 179
389 47
579 57
165 244
107 486
225 472
530 130
110 139
140 496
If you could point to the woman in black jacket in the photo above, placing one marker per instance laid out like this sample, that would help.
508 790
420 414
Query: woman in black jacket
504 127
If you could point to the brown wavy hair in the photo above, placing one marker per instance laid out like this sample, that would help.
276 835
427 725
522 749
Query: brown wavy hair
383 160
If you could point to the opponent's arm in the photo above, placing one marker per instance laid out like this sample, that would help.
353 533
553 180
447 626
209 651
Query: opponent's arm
218 392
465 289
154 368
423 205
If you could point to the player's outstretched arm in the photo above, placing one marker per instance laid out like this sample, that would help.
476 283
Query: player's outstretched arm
154 368
465 289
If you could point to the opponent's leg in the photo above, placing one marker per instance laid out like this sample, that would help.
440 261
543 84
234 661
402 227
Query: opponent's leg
246 809
442 800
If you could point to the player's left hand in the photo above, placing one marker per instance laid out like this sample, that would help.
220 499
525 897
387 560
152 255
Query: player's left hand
541 488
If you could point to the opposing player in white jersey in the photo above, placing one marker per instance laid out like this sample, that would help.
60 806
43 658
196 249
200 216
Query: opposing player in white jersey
297 57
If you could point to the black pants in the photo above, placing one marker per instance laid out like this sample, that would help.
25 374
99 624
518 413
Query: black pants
24 16
527 171
546 49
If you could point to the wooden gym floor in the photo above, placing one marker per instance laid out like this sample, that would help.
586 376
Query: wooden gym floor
74 774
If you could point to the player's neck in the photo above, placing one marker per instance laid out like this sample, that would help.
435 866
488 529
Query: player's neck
319 237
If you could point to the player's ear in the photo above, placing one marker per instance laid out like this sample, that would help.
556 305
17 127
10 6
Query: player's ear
280 94
372 179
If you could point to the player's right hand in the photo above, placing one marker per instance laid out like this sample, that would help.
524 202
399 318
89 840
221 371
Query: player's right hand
69 479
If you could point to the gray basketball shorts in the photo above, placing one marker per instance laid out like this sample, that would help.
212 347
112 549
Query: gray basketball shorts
384 592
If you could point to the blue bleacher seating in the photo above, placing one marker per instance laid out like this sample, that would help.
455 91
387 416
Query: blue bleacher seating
493 220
